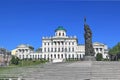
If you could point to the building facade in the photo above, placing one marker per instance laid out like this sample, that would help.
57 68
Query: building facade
59 47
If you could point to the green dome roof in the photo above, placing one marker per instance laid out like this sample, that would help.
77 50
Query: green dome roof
60 28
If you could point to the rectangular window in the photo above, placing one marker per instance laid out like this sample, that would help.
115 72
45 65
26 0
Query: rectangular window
65 49
48 50
44 49
96 49
69 49
62 49
44 43
100 49
72 49
55 49
72 43
58 49
51 49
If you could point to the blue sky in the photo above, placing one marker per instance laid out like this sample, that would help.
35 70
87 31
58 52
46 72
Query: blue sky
27 21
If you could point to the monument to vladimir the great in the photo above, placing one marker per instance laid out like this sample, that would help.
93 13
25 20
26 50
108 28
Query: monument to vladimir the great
89 50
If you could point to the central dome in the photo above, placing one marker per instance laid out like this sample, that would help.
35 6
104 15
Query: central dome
60 28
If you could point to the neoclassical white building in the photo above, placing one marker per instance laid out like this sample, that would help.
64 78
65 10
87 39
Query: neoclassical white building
59 47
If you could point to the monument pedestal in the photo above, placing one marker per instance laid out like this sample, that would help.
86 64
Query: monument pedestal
89 58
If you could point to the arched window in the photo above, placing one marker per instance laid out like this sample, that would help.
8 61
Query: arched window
59 34
54 55
63 34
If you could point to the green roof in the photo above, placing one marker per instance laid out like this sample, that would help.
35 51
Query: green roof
60 28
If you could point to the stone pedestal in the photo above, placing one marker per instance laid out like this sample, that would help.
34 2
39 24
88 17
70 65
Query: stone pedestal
89 58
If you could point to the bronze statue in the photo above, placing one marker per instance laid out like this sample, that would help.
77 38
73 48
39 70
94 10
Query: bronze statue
89 51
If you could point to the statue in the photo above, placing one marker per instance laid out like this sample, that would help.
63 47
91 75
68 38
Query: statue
89 50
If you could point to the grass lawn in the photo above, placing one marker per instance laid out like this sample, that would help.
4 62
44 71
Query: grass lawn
22 63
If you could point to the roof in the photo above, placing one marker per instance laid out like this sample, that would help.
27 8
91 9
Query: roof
22 46
97 43
60 28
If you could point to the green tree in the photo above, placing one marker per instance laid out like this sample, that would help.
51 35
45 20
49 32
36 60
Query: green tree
99 57
15 60
115 50
39 50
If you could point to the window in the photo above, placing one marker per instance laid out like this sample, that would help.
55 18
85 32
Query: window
44 49
44 43
65 43
59 34
58 49
72 49
80 56
72 55
48 50
63 34
55 43
62 42
51 49
69 55
69 43
100 49
62 49
58 56
54 55
69 49
51 55
44 56
48 43
55 49
72 43
38 56
58 43
65 49
96 49
61 55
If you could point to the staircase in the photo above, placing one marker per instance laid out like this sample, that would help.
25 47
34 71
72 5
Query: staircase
81 70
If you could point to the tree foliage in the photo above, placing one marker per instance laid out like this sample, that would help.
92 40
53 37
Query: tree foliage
99 57
115 49
39 50
15 60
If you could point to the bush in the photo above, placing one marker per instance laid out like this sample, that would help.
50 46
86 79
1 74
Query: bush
15 60
99 57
